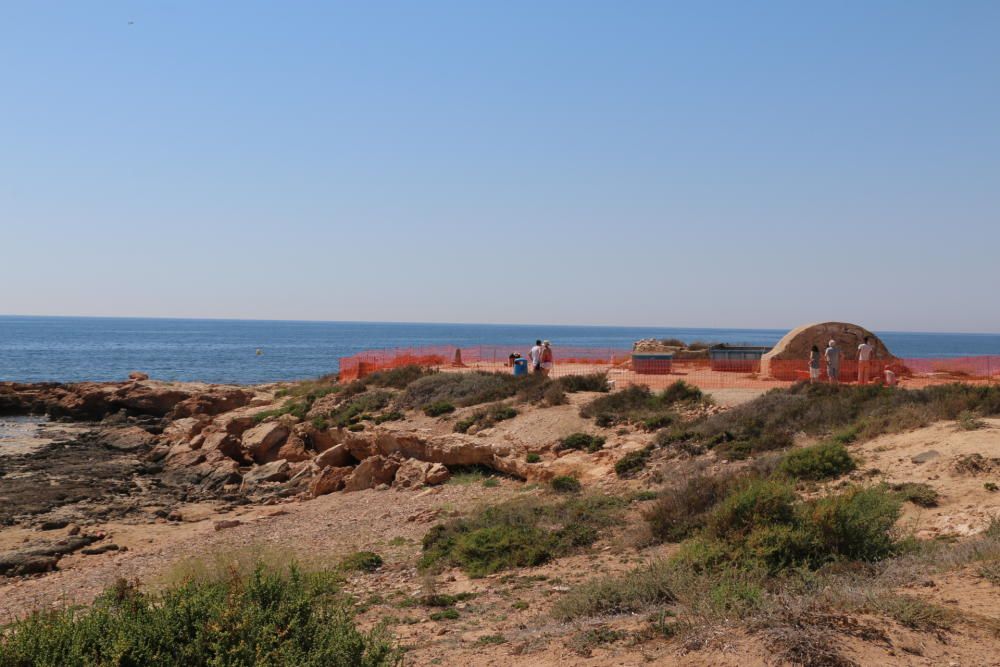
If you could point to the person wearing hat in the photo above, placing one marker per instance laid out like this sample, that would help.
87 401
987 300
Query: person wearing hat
832 355
546 357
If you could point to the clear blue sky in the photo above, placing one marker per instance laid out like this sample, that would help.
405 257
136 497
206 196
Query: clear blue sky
751 164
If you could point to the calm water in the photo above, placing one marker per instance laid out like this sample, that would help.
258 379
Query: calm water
73 349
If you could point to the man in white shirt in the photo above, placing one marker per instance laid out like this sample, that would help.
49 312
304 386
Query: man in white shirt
536 357
865 353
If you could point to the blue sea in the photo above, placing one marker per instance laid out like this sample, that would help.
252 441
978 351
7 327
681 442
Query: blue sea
71 349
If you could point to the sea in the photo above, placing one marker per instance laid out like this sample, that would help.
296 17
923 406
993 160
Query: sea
73 349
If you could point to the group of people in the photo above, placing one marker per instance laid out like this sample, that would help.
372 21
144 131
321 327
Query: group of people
540 357
832 355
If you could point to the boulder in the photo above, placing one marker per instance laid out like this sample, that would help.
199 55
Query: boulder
212 403
262 442
324 405
183 430
294 450
138 376
147 399
226 443
359 446
127 438
413 474
371 472
328 480
337 456
316 439
275 471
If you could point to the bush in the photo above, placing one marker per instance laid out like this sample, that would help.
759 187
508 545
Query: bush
554 395
917 493
683 509
438 408
351 410
585 441
856 524
822 461
465 389
532 458
632 463
636 404
590 382
486 418
520 533
754 503
681 392
268 617
565 484
361 561
648 586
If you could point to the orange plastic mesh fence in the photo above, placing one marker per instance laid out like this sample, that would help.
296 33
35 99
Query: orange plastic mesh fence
658 371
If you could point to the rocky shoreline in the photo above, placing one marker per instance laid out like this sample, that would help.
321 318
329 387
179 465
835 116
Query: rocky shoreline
141 451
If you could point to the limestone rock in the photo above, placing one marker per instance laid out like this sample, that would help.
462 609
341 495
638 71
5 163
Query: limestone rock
138 376
413 474
127 438
262 442
337 456
225 443
294 450
330 479
371 472
275 471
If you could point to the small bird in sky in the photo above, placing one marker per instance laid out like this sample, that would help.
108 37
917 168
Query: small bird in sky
131 22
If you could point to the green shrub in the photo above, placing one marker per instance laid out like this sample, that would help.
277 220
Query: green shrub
565 484
754 503
351 410
681 392
856 524
917 493
444 615
647 586
584 441
821 461
483 419
532 458
438 408
636 404
684 508
632 463
361 561
590 382
554 395
520 533
292 618
465 389
393 416
969 421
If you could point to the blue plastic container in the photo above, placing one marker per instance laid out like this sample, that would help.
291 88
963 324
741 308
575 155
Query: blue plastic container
520 367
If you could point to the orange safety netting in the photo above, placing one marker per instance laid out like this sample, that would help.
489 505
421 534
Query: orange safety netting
625 368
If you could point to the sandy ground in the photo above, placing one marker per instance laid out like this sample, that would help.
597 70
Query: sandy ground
948 459
514 608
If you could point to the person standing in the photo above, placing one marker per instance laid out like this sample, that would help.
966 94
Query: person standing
548 361
832 355
814 364
865 353
536 356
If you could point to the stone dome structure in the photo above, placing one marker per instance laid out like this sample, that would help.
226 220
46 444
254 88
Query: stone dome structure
796 344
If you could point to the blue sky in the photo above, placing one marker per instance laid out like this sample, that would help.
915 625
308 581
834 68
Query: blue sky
676 164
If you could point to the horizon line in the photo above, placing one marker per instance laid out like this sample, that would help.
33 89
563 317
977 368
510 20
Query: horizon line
487 324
